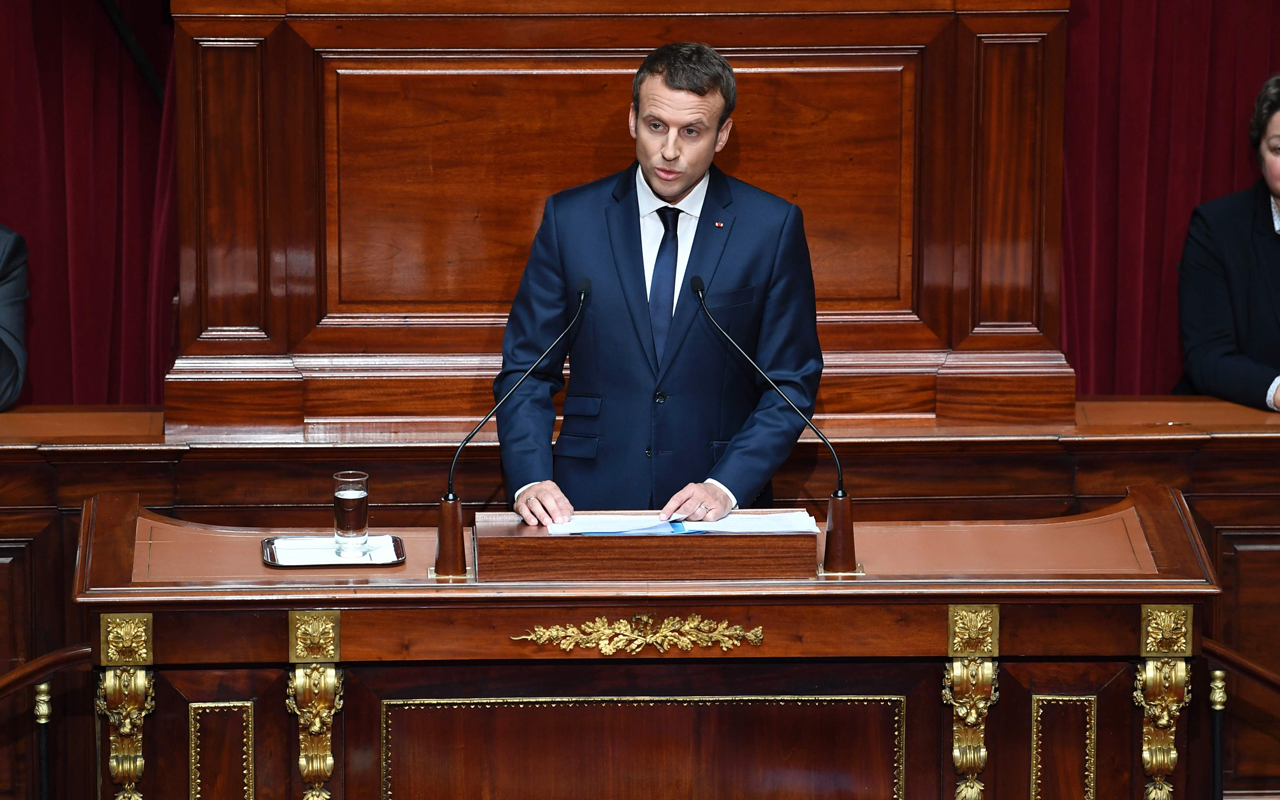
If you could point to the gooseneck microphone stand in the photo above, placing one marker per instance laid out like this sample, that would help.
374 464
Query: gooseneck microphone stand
839 558
451 559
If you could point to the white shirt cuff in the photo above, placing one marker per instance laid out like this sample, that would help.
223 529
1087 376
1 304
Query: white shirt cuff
522 488
1271 393
733 501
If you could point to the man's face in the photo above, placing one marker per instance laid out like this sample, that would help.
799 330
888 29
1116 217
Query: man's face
1270 153
676 136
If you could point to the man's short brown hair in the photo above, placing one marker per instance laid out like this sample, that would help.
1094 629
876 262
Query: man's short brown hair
690 67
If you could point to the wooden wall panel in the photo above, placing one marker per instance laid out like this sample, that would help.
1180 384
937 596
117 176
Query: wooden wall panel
1009 239
232 293
431 210
31 607
232 251
1010 79
1250 624
366 186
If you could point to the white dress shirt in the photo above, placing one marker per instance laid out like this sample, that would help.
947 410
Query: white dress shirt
1271 390
651 232
651 229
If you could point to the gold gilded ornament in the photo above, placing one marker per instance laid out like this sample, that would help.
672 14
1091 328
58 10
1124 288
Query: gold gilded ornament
126 639
44 707
634 635
1160 690
969 687
973 631
314 694
314 636
1218 690
125 696
1166 631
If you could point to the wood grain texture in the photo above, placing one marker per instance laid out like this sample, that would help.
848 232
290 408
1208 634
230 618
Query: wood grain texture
1218 453
506 553
349 186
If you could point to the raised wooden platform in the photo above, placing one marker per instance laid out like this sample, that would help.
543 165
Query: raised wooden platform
1221 456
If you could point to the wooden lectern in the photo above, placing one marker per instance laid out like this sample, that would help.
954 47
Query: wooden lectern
1046 659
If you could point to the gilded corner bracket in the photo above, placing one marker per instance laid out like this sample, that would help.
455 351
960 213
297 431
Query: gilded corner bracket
314 694
1161 690
125 640
315 637
126 695
969 687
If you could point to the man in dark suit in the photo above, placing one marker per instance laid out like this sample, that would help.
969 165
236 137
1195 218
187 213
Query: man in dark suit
13 298
660 411
1229 280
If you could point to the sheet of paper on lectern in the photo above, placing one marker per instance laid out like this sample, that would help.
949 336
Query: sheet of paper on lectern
788 521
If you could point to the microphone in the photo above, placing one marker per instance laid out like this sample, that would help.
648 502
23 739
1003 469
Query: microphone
450 558
839 558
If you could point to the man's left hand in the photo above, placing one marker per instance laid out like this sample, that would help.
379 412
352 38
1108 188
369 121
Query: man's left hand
697 501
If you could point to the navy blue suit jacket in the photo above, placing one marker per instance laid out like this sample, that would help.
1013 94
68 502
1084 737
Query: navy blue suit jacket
1229 299
635 431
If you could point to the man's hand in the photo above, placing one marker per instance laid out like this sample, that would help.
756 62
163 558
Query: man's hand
543 503
697 501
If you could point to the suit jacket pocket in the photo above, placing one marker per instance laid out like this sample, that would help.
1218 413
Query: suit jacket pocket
731 298
575 446
582 405
717 451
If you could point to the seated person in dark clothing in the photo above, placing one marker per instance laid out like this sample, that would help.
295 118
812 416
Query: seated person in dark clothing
1229 280
13 297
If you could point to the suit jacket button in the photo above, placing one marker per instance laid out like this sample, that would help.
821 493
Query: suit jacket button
660 397
648 452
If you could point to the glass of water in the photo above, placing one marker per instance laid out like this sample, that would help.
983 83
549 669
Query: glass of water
351 512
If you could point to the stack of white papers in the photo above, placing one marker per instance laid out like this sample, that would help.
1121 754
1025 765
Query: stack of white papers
786 521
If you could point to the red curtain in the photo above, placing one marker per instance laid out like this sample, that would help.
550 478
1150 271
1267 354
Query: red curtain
1159 95
87 177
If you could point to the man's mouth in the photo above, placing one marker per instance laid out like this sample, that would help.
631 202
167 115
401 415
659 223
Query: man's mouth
666 174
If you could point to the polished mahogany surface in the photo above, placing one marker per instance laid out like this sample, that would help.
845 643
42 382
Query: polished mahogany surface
359 184
449 691
507 549
1221 456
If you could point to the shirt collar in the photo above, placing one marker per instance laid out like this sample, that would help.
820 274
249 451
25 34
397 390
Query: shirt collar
1275 214
650 202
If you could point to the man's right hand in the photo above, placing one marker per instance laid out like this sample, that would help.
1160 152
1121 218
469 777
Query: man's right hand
543 503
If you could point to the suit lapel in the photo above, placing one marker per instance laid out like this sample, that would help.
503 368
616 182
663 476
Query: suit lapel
1262 244
624 238
704 259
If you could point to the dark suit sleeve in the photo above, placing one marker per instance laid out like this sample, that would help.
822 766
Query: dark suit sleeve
538 314
789 352
1211 356
13 298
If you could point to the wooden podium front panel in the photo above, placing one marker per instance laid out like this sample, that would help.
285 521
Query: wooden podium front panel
557 748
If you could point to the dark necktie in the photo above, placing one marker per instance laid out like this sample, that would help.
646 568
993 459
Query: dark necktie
662 289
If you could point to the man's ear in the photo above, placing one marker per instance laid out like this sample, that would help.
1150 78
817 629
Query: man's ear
631 121
722 135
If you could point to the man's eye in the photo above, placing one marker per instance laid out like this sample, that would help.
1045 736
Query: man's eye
690 131
655 126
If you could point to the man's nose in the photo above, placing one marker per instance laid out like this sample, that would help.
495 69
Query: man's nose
670 150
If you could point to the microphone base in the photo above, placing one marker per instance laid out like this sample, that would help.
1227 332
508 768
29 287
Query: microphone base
839 558
451 560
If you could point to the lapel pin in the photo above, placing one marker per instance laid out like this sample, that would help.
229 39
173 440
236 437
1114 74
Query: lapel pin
719 224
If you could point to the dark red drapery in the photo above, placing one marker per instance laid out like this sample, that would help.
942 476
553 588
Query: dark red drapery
1159 95
86 175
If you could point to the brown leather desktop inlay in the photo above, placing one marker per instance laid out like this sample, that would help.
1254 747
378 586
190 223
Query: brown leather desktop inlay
1108 545
1111 544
